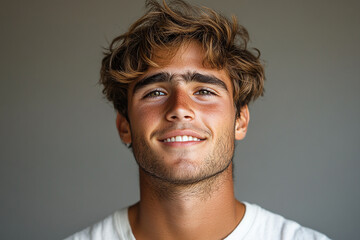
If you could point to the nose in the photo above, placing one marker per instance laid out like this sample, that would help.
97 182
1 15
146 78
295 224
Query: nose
180 107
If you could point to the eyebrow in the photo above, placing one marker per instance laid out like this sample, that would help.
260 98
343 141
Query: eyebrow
159 77
187 77
204 78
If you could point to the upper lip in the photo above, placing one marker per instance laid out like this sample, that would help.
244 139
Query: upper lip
185 132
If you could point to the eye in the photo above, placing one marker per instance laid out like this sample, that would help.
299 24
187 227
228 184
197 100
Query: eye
154 94
204 92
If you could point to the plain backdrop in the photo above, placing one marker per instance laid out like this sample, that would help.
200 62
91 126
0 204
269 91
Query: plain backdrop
63 166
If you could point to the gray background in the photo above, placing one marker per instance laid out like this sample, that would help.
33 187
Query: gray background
63 166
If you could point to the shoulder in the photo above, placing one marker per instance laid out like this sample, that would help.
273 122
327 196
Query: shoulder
259 223
115 226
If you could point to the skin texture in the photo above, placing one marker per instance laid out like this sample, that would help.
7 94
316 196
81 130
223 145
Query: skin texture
186 188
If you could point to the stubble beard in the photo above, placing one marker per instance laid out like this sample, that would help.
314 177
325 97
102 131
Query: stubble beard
196 179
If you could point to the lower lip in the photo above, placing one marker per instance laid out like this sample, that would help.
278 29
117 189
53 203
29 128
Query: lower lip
182 144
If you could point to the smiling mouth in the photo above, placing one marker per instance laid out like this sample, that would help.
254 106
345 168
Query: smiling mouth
183 139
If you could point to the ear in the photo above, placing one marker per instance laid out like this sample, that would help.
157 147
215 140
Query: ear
242 123
123 128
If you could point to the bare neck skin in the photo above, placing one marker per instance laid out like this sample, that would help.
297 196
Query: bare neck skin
205 210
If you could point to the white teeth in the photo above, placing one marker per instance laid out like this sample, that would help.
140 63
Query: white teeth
182 139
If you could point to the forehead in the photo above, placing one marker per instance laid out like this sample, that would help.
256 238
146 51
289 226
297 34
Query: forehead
187 58
188 52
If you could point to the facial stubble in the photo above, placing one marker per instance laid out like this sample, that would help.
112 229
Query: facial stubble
198 178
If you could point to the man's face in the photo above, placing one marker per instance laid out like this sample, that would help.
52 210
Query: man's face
182 118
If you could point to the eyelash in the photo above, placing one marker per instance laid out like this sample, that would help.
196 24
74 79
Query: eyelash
208 92
159 93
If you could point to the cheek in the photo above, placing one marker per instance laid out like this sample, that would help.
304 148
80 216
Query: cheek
144 117
219 119
219 111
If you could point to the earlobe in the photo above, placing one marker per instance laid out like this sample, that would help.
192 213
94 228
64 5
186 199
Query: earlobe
242 123
123 128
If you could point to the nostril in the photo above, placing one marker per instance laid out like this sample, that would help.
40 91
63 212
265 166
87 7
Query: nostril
178 116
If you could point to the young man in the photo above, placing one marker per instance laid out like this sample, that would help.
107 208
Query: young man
181 79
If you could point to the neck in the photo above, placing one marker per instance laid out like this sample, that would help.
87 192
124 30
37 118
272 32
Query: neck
206 209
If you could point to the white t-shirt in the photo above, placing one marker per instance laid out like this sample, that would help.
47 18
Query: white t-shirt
257 224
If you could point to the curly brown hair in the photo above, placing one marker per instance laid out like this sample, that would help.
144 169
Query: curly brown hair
168 25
